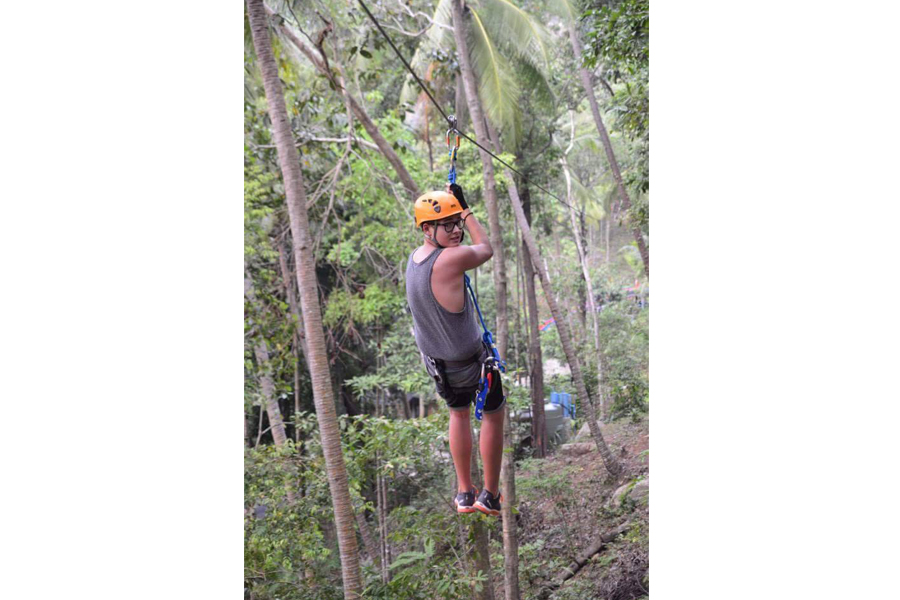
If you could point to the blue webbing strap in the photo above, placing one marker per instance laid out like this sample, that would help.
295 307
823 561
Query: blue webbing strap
451 176
484 384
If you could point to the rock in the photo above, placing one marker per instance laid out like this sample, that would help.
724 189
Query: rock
634 491
576 449
640 490
584 434
617 496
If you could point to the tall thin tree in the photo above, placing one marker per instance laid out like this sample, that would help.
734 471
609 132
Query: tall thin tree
585 271
569 11
562 327
498 265
536 375
295 191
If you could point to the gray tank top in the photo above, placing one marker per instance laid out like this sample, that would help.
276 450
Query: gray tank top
439 332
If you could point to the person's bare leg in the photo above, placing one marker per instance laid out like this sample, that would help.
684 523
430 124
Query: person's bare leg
491 444
461 448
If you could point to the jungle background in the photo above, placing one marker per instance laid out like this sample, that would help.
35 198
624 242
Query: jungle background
773 347
348 478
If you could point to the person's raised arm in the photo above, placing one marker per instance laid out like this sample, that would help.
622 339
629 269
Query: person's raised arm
464 258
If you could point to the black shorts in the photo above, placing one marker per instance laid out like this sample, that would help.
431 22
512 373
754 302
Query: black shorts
461 399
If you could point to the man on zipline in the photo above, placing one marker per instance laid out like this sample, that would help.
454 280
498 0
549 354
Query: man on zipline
448 337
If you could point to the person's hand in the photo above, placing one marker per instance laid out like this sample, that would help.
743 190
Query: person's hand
458 193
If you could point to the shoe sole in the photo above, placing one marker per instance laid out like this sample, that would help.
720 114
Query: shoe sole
464 509
486 510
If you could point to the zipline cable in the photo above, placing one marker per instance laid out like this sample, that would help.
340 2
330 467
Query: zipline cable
406 64
449 121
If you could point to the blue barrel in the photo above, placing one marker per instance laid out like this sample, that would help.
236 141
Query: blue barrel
566 401
554 397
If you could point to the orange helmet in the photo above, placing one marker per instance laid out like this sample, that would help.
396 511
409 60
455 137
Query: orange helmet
436 205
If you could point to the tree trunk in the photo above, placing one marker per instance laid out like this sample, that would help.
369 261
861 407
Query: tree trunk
267 386
510 533
582 258
381 506
299 336
360 112
608 221
520 295
562 326
276 423
538 421
487 135
428 143
508 479
482 561
588 85
382 525
366 534
462 112
295 192
490 186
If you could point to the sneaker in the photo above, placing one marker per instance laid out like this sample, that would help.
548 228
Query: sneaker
464 501
488 504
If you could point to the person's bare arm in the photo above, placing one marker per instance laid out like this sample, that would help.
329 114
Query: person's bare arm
464 258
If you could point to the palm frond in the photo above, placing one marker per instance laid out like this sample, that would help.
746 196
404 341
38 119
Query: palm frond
515 29
593 206
536 80
497 86
567 9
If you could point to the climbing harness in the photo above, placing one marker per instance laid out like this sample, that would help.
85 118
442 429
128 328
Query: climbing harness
491 365
451 176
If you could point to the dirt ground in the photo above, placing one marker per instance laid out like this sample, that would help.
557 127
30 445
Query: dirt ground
565 506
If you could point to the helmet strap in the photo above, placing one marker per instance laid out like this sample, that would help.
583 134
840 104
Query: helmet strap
433 238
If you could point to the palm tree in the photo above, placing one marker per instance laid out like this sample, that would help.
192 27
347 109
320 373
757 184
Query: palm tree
490 186
569 11
323 396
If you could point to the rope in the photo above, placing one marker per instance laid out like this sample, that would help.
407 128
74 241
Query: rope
484 383
449 121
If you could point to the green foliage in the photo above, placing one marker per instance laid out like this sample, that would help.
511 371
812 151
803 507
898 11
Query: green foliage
619 38
547 485
372 305
283 542
362 232
626 334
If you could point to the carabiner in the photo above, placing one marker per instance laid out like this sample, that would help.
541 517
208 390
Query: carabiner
453 122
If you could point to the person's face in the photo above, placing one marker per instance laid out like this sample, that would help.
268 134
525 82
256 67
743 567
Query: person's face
438 231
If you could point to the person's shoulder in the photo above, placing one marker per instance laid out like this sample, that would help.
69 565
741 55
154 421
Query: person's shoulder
421 253
450 258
